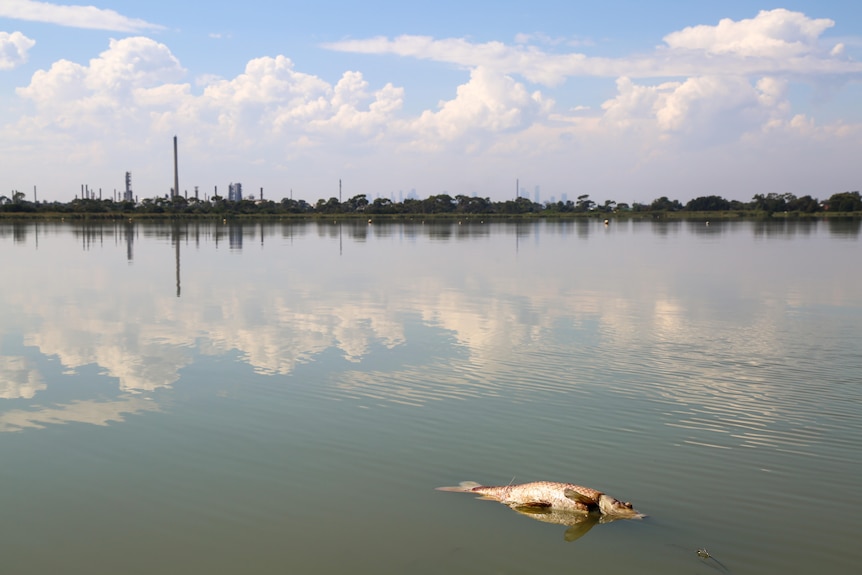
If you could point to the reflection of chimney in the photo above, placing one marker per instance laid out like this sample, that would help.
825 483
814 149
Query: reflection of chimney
176 170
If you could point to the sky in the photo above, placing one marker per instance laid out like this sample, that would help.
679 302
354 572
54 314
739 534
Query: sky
622 100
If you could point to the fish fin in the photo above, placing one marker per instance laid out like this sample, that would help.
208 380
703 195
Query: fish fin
579 497
464 486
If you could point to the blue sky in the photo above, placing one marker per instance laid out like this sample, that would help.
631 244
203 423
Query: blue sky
624 101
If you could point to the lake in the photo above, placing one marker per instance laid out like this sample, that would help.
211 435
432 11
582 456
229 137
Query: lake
268 397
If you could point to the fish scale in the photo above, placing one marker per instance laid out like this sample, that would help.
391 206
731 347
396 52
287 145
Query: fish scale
540 493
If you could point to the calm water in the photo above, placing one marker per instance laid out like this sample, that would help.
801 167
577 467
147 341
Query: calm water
284 398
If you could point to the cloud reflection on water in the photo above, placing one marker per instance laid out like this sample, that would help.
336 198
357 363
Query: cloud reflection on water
572 297
18 379
84 411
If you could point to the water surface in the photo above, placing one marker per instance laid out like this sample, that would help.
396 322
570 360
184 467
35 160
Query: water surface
268 397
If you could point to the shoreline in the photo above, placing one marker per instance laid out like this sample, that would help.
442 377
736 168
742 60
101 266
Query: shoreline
732 215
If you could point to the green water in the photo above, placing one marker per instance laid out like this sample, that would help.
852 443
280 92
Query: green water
284 398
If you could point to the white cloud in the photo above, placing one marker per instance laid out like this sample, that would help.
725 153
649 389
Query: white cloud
773 42
266 82
101 97
132 92
134 62
488 102
532 63
128 64
73 16
692 93
635 102
712 109
349 95
13 49
775 33
705 109
272 98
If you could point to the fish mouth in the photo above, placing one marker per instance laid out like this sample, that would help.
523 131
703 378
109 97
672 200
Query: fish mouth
616 508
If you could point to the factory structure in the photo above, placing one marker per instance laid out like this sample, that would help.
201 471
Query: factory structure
234 192
127 195
176 191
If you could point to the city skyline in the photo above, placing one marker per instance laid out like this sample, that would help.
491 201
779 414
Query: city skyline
623 101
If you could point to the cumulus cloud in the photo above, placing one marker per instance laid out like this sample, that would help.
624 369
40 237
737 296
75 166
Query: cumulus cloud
95 97
775 33
13 49
774 41
706 85
73 16
128 64
706 109
488 102
136 87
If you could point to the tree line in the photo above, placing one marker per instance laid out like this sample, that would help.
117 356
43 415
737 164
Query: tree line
765 204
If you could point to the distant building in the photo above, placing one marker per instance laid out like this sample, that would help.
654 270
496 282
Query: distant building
234 192
127 194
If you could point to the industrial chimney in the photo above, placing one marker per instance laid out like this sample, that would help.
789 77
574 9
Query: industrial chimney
176 171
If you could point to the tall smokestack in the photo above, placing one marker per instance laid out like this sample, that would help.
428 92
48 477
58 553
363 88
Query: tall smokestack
176 170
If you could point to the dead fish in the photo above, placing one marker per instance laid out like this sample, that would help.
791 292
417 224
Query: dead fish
551 495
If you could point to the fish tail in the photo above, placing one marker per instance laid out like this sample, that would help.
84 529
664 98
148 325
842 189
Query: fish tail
463 487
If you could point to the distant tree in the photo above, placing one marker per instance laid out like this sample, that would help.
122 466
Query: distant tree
845 202
707 204
17 204
608 206
473 205
519 206
179 203
772 202
584 203
560 207
664 204
381 206
805 204
412 206
330 206
292 206
439 204
356 203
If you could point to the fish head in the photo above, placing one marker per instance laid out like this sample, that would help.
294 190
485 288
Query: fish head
616 508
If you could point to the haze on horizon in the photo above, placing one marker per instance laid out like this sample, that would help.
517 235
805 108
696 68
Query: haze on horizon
621 101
